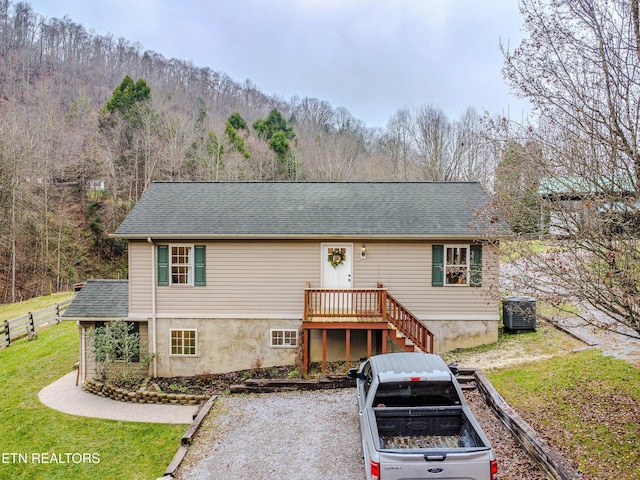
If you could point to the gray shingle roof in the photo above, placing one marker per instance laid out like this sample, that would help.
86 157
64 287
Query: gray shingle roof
307 209
101 299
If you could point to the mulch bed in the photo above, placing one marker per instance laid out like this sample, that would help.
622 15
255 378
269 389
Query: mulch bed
208 383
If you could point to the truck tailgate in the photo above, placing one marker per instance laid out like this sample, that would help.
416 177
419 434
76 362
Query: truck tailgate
474 465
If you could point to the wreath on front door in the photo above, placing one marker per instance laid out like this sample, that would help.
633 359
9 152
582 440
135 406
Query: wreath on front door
337 256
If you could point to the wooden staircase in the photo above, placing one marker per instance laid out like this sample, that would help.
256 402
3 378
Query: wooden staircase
402 340
406 330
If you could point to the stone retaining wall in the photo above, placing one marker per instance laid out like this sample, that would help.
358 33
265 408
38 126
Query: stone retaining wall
142 395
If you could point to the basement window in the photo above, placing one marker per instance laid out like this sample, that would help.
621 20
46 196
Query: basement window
286 338
184 342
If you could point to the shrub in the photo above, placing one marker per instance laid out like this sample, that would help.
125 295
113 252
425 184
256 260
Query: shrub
117 354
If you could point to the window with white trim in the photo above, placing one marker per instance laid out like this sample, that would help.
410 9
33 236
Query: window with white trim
181 265
284 337
184 342
456 265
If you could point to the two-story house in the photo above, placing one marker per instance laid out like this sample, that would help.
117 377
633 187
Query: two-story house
227 275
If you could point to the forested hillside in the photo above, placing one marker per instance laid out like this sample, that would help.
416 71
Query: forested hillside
88 122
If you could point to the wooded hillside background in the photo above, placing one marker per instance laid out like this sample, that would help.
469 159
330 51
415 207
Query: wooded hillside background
89 121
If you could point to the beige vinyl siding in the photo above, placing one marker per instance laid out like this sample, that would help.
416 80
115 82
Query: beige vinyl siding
404 268
140 278
250 278
261 277
258 278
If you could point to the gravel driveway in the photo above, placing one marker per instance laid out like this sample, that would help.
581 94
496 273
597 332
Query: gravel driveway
288 435
304 435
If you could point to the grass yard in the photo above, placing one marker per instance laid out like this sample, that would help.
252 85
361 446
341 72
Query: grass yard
585 404
33 436
9 311
516 348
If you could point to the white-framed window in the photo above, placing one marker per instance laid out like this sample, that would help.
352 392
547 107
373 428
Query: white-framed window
182 264
184 342
456 265
284 337
181 259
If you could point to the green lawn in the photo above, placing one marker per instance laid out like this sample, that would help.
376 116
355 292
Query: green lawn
586 404
33 436
9 311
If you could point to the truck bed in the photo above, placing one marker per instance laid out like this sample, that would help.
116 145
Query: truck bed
425 428
421 441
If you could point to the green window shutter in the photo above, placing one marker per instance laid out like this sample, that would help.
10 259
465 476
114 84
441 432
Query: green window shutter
199 264
476 266
163 265
437 265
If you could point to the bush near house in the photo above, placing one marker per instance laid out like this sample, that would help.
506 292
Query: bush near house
118 354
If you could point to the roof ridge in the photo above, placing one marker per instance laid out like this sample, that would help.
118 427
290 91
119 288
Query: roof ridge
346 182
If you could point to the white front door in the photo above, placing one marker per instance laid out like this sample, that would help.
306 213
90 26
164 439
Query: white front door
337 265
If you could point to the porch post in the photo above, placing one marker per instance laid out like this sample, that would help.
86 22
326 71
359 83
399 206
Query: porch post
324 350
384 340
348 348
382 301
306 302
368 342
305 349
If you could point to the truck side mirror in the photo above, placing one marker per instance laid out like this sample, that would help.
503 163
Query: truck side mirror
354 374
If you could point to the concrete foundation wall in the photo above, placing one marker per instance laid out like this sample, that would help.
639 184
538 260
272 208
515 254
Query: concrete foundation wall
223 345
228 345
452 334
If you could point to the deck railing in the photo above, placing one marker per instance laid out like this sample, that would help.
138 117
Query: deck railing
409 325
328 302
373 303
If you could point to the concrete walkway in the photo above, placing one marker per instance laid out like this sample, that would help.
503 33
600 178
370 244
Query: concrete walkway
64 396
624 347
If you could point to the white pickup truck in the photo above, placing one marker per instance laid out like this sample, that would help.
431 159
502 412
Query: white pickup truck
415 423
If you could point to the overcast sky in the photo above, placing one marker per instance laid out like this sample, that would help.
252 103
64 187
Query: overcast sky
372 57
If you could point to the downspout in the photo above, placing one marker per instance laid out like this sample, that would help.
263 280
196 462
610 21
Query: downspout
83 354
153 307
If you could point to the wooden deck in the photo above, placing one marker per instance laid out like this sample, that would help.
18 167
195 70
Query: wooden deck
372 309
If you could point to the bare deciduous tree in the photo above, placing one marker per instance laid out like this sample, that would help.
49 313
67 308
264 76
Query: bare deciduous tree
55 75
397 144
579 67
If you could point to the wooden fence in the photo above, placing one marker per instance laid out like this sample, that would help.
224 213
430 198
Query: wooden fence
12 330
